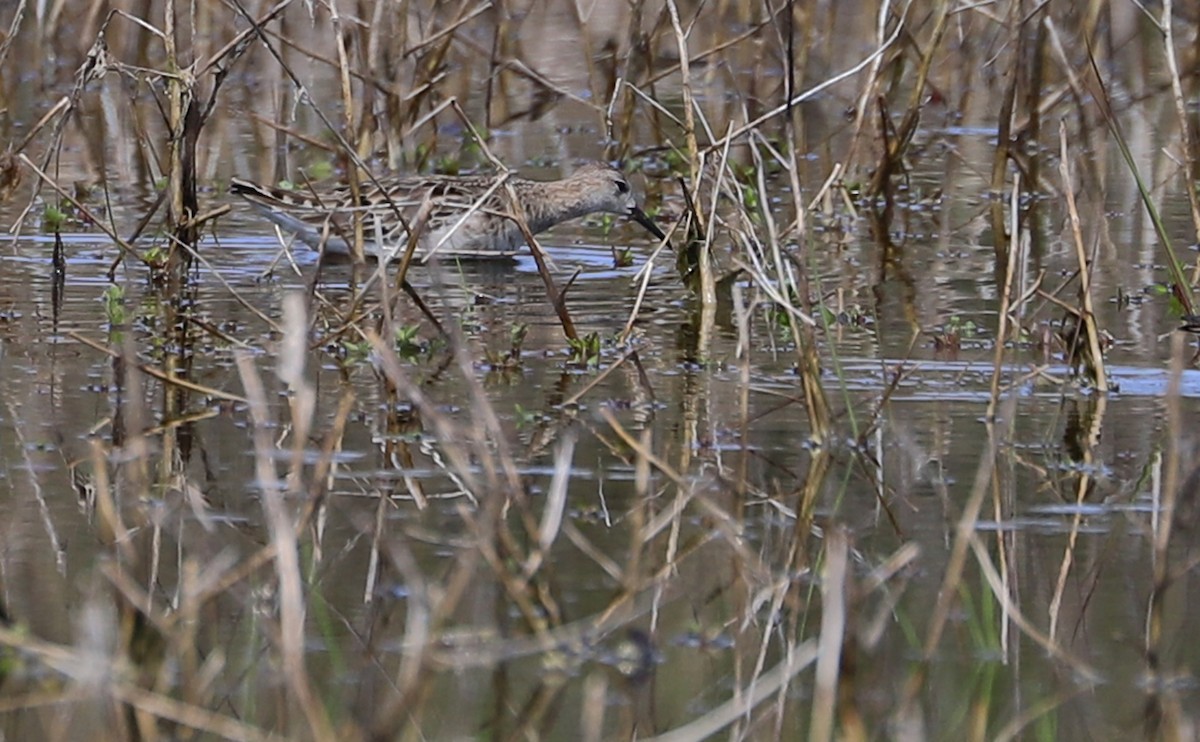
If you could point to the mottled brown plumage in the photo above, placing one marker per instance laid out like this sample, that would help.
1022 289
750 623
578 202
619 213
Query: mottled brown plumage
468 214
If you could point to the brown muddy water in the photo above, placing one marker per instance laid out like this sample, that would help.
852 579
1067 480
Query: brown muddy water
651 541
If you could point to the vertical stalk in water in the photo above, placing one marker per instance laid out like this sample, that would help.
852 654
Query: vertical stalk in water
708 286
183 127
1185 133
1086 321
1000 237
352 174
177 219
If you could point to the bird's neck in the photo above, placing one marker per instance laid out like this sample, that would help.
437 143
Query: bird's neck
548 204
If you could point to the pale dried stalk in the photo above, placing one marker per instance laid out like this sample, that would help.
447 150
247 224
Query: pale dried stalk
833 632
282 530
1087 317
708 284
1006 298
1185 132
348 109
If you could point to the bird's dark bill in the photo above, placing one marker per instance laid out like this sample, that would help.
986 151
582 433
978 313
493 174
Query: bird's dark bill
640 217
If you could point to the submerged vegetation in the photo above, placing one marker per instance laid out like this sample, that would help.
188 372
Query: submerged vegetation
841 456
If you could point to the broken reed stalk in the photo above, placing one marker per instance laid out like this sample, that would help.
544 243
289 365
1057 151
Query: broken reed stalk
1086 316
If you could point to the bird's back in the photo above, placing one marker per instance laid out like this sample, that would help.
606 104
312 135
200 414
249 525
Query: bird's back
389 208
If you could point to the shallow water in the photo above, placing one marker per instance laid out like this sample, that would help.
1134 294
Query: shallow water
929 444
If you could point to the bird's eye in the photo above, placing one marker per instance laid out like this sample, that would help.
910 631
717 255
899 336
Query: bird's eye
622 187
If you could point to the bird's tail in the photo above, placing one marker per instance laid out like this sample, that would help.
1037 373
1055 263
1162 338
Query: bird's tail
296 213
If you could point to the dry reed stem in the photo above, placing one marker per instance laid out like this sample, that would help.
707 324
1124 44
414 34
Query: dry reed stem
892 158
62 104
1012 612
653 103
281 526
243 301
642 279
767 283
13 27
1167 26
423 619
1000 158
591 720
289 131
126 249
1082 488
445 432
558 300
27 446
504 487
350 116
749 34
414 238
75 664
742 313
722 521
707 293
1087 315
803 336
463 650
796 659
964 534
94 67
834 576
162 376
1165 523
555 505
1005 300
517 215
346 148
815 89
183 126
